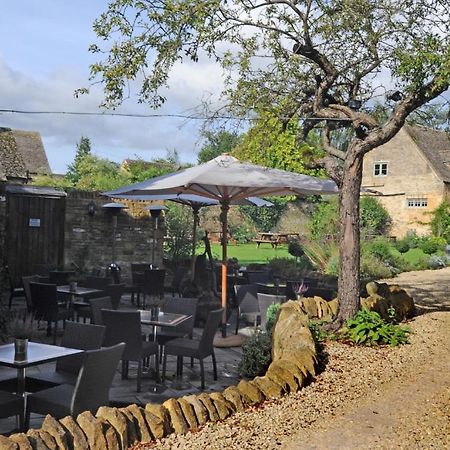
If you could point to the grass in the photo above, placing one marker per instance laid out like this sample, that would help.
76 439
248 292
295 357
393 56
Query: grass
249 253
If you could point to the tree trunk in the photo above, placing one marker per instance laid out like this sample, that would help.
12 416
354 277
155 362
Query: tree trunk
349 237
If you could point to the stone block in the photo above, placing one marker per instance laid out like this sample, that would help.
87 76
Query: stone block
188 412
118 420
224 407
22 441
232 394
201 413
268 387
282 376
179 423
131 426
144 433
291 331
57 431
111 435
93 430
295 370
75 435
7 443
212 412
41 440
155 425
162 413
251 394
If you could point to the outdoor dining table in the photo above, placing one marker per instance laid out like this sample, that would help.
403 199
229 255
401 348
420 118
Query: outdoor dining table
37 353
156 319
78 291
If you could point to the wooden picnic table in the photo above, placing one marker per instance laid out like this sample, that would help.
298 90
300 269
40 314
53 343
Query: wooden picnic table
274 239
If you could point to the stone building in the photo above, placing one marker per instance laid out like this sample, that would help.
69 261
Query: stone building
22 155
412 172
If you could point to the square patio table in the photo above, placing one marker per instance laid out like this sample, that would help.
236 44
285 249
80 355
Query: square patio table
37 353
79 291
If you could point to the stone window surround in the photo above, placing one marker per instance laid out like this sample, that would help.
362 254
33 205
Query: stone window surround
417 202
380 168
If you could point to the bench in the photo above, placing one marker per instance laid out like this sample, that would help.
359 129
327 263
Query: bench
272 242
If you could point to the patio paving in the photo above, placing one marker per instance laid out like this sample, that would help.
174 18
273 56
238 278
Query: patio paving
123 392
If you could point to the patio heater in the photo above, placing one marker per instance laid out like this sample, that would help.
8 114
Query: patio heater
155 212
114 210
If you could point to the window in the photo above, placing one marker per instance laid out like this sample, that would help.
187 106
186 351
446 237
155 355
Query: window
380 169
417 202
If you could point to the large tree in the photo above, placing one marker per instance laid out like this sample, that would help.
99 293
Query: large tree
321 61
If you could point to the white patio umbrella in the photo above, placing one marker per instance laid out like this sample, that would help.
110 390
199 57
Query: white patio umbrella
226 179
195 202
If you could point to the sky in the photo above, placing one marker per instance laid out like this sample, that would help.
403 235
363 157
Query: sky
44 58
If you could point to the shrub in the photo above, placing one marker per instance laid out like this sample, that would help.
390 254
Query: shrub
440 222
381 249
324 223
272 314
437 262
374 218
368 328
402 245
256 355
372 267
333 266
288 268
242 233
432 244
295 249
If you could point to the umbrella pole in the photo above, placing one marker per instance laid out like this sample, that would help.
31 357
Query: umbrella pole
195 210
225 207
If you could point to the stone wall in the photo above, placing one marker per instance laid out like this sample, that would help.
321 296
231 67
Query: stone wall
88 238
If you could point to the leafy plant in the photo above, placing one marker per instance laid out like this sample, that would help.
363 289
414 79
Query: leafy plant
20 327
432 244
256 355
440 222
437 262
374 218
272 314
368 328
295 249
318 332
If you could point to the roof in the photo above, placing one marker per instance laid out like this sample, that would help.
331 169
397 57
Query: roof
435 146
21 153
42 191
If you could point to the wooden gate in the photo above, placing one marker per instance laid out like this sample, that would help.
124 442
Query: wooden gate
35 229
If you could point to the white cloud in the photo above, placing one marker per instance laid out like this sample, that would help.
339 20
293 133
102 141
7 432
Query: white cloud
112 137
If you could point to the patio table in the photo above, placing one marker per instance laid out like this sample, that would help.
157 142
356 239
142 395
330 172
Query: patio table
79 291
37 353
161 319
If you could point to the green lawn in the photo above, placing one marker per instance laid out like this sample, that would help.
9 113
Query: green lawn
249 253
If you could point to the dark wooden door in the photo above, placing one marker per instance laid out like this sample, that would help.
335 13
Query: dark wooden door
35 232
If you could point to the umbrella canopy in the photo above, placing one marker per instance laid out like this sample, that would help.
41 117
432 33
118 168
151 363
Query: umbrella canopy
226 179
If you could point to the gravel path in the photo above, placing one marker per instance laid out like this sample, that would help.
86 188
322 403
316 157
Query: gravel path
387 398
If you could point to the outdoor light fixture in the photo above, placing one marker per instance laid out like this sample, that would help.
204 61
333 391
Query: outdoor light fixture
114 209
354 104
91 208
155 212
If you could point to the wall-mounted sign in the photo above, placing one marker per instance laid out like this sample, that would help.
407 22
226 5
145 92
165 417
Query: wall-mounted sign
34 223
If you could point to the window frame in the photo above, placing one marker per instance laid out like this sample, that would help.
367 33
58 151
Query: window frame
379 165
417 202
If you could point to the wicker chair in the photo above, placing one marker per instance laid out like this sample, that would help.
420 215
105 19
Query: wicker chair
90 391
195 349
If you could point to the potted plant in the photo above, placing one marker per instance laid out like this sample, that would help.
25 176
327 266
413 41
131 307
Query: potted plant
21 329
300 289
